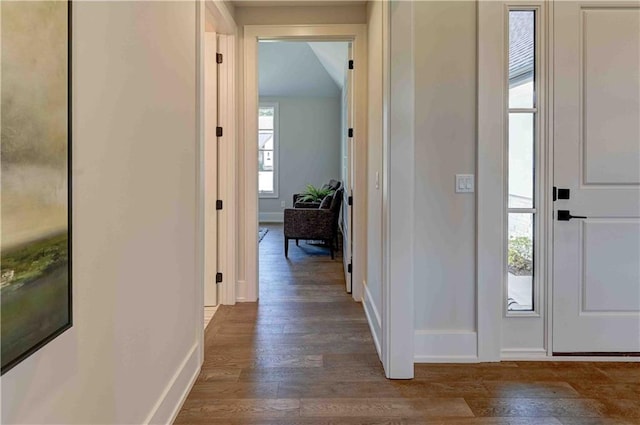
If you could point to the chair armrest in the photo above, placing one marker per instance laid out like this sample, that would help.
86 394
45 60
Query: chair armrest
308 223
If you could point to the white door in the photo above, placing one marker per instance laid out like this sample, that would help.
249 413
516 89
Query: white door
596 132
348 175
210 99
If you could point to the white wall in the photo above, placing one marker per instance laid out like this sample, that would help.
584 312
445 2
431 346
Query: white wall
134 224
309 146
445 144
373 284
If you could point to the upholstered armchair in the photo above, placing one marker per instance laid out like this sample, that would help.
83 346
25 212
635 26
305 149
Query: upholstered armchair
313 224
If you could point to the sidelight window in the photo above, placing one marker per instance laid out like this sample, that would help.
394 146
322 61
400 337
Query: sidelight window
522 145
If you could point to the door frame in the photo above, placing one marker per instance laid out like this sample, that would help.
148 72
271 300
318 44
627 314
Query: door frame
492 190
215 17
355 33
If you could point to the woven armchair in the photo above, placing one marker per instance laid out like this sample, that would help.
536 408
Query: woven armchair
313 224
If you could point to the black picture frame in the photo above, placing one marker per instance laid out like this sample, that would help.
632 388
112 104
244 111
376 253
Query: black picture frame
5 367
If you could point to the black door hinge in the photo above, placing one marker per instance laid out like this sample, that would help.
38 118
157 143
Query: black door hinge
350 268
351 64
350 132
219 57
350 200
218 204
219 131
218 277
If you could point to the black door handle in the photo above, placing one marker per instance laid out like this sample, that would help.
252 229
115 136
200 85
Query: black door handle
565 215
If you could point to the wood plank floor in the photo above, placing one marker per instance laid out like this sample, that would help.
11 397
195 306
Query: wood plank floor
304 355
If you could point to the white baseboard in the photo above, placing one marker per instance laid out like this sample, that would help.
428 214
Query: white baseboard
172 398
541 355
241 291
373 318
271 217
445 347
523 354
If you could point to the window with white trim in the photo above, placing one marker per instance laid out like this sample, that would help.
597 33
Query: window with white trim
522 145
268 150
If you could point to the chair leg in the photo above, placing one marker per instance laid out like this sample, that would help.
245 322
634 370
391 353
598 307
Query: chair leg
297 242
286 247
333 257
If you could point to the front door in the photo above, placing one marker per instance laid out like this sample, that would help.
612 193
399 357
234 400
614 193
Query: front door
596 133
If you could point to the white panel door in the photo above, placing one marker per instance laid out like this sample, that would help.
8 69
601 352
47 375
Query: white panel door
349 175
210 99
596 132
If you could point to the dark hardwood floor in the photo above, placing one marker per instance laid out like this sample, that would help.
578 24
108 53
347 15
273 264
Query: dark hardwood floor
304 355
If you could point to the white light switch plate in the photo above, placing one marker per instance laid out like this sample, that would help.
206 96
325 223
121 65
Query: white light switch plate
465 183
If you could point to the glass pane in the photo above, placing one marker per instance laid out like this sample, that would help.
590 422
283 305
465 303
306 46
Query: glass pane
520 262
521 160
521 58
265 160
265 140
265 118
265 181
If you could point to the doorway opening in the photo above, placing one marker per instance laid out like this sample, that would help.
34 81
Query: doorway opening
305 165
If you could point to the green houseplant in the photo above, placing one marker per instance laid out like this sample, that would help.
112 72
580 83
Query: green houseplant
314 194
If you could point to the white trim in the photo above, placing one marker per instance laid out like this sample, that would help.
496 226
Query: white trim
200 194
241 291
170 402
398 177
373 318
523 354
490 197
276 151
548 185
357 33
271 217
540 355
445 346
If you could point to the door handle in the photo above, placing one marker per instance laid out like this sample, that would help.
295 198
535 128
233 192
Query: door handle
565 215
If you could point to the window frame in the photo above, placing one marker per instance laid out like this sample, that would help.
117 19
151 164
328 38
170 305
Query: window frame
276 150
539 141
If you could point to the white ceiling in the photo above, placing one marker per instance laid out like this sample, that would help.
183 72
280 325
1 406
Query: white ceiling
333 56
301 69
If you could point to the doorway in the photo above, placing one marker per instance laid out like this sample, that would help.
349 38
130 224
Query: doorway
315 37
303 154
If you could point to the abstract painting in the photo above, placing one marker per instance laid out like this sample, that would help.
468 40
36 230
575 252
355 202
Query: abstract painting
35 247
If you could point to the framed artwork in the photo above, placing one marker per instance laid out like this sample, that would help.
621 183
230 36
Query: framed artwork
35 189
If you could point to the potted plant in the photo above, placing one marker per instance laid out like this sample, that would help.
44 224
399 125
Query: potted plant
314 194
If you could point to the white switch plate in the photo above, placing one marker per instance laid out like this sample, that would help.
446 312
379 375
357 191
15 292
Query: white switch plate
283 204
465 183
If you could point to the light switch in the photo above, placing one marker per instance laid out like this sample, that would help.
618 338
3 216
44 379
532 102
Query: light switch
465 183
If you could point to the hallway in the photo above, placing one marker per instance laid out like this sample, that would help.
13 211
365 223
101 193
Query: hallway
304 355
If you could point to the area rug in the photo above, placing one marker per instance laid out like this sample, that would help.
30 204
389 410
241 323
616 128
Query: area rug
262 232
